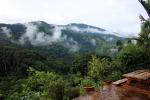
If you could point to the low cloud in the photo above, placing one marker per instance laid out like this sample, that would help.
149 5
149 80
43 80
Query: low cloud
6 31
73 45
37 38
88 29
134 41
93 41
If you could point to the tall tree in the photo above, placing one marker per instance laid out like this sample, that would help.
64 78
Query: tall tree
145 27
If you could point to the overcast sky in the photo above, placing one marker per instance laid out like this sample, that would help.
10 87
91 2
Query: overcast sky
113 15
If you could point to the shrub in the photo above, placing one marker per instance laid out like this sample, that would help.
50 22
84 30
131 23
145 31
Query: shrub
98 68
42 85
133 57
87 82
103 69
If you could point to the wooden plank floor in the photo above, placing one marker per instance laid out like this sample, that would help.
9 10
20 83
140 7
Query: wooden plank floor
139 74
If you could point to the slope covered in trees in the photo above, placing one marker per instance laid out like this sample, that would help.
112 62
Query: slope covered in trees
43 61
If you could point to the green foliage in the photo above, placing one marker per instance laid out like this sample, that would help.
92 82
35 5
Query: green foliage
42 85
98 68
144 36
87 82
10 85
80 65
15 61
103 69
133 57
51 78
119 45
115 75
146 5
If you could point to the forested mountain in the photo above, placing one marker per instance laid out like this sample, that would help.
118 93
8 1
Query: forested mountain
42 61
55 51
80 38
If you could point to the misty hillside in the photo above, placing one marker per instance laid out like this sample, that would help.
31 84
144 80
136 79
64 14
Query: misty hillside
51 60
46 37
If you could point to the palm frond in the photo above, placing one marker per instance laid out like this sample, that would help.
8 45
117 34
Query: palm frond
146 5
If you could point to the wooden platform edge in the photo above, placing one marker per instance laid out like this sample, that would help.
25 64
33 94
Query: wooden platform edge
120 81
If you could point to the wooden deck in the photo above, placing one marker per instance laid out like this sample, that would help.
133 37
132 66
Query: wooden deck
139 75
135 86
113 92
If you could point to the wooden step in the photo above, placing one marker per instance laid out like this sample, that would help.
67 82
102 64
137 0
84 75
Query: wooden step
120 81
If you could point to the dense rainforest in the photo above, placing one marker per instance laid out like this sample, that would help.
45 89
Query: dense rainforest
41 61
